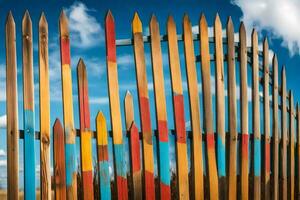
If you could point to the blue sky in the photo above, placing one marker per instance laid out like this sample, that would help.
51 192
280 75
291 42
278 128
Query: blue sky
276 19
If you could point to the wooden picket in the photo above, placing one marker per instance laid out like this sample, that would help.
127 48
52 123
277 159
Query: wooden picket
244 114
102 151
12 129
232 183
59 161
197 164
28 100
208 114
275 157
220 104
161 110
178 106
44 109
142 84
69 129
85 132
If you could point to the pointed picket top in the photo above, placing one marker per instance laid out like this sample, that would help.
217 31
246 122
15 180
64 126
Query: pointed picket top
63 24
218 23
109 17
129 109
203 22
254 36
170 21
242 28
27 25
153 20
81 66
101 129
57 127
265 44
186 19
274 62
136 24
230 24
291 99
43 21
10 22
283 74
100 118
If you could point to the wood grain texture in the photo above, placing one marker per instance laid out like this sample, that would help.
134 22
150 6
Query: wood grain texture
284 138
44 109
129 111
143 97
197 160
256 117
178 106
70 133
59 161
161 110
232 111
208 113
220 107
266 159
244 113
275 128
136 170
114 102
28 101
291 153
12 131
103 156
85 132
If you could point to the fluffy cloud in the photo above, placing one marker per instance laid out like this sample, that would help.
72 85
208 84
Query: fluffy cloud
278 17
3 121
86 31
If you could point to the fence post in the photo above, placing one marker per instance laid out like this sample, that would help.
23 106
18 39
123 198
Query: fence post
59 161
114 102
129 111
275 187
141 77
12 131
297 195
197 164
232 183
178 106
85 132
291 148
208 114
220 107
70 132
244 114
103 161
266 161
161 110
256 118
284 137
29 133
44 109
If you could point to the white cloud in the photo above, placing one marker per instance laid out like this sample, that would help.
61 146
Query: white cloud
99 100
278 17
3 163
86 31
2 152
3 121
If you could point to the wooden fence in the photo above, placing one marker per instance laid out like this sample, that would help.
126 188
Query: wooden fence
269 170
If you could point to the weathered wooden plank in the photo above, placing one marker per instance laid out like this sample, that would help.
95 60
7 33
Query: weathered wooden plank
232 182
256 117
142 84
266 161
208 113
44 109
284 138
197 164
129 111
103 160
291 181
178 106
297 188
28 100
59 161
85 132
275 134
114 102
12 129
220 106
136 170
161 110
244 113
70 133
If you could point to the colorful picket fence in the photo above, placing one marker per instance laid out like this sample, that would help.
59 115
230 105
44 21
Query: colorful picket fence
269 162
